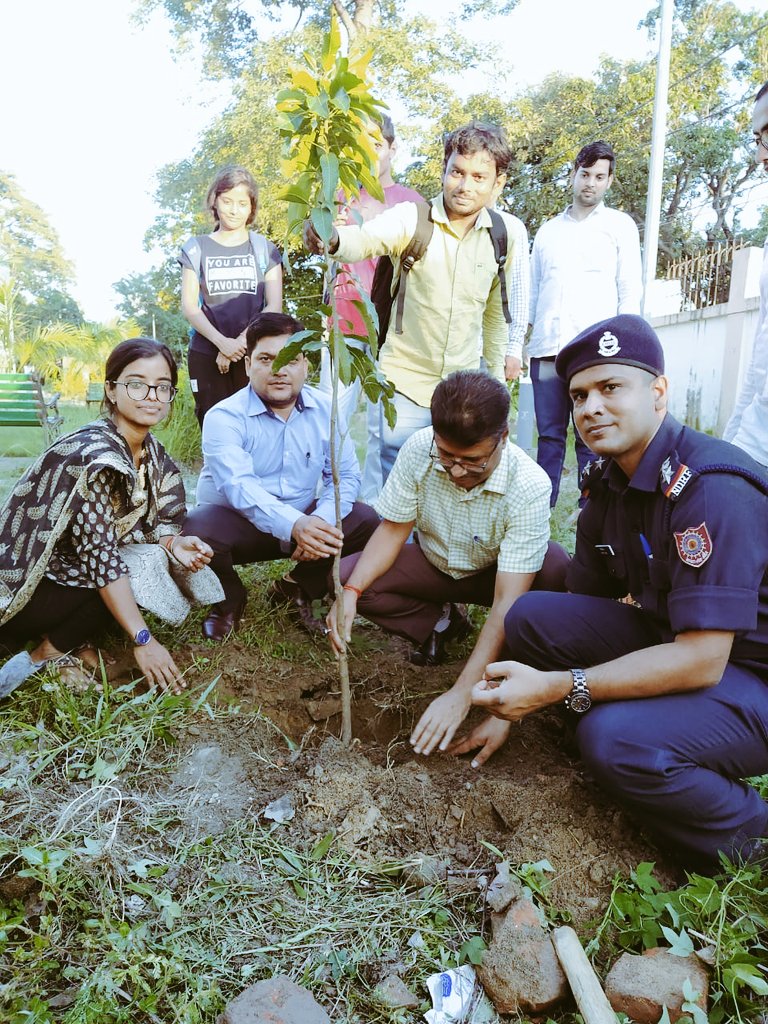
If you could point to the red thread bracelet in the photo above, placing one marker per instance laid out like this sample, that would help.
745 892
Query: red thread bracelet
353 589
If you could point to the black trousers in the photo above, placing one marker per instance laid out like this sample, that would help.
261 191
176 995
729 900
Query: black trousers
236 541
68 616
208 385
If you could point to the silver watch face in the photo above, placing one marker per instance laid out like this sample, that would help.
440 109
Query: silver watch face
579 702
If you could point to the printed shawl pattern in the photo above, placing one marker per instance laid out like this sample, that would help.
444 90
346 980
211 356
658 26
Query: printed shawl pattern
54 489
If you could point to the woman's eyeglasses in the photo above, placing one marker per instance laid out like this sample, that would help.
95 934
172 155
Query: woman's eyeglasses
138 390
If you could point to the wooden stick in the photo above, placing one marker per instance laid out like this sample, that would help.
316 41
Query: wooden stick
586 988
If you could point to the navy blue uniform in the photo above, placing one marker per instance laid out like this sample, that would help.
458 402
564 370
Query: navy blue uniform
691 548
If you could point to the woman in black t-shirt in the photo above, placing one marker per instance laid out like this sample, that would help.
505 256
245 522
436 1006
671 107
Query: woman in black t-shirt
227 277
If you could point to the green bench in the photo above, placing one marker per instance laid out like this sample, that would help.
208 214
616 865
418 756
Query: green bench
94 392
23 404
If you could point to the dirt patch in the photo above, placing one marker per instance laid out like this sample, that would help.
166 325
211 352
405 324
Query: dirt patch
532 801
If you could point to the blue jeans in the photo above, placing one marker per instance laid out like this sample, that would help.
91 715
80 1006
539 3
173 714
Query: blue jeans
553 414
677 761
410 418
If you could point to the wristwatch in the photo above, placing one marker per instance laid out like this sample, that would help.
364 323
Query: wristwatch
142 638
579 699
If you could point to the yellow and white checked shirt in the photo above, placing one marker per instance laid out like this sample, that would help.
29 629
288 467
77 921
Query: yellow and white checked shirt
505 519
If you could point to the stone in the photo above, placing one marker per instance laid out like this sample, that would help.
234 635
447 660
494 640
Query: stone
641 986
392 992
520 969
326 707
424 870
505 888
276 1000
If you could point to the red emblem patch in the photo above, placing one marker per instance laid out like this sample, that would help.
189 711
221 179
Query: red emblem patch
694 545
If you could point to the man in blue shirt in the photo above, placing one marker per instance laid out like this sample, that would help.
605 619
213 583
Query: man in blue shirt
267 456
668 693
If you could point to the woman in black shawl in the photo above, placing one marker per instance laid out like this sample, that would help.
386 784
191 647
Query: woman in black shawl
89 497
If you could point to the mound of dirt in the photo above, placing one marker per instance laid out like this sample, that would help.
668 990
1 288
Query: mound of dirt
531 801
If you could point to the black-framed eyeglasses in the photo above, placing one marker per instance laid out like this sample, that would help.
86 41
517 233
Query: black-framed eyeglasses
448 461
760 138
138 390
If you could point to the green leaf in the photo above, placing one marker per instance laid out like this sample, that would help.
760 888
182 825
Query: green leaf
472 951
340 99
679 944
320 849
331 42
340 352
751 977
295 345
329 166
319 105
322 222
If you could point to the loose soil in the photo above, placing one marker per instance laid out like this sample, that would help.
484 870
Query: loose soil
532 800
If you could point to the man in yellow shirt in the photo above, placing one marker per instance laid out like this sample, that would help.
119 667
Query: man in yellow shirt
454 295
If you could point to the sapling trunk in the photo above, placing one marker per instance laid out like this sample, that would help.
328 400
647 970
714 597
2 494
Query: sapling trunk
346 691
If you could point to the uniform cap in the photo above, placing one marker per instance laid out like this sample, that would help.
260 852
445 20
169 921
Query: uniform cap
625 339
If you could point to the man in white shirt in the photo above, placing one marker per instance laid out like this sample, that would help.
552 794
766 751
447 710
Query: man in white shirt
585 267
748 425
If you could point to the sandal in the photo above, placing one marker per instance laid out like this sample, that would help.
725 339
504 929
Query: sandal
74 673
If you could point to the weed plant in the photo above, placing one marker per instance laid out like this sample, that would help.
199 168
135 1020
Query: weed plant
723 919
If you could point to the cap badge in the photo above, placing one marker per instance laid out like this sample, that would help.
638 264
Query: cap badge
608 345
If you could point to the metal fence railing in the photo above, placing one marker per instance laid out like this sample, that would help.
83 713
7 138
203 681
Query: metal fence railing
705 280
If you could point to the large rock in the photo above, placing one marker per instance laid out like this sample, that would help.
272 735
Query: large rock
277 1000
641 986
520 969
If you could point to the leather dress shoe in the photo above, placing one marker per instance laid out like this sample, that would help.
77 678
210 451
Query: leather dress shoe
218 625
432 651
286 593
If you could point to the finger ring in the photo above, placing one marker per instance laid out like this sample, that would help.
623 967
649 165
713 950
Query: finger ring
326 631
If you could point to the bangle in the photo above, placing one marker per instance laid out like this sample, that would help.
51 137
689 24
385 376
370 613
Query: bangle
353 589
167 542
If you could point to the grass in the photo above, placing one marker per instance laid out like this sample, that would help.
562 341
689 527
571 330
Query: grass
125 913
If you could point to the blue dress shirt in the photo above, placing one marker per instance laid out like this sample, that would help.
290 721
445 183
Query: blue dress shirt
270 470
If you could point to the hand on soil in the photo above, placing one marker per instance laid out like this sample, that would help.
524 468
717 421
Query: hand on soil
488 736
440 721
158 667
511 690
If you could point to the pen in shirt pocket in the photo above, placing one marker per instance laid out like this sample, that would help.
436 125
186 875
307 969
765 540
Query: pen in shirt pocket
308 457
646 547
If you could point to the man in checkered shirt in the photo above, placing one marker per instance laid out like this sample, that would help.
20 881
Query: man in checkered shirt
480 506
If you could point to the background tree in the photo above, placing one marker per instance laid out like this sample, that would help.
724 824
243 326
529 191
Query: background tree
720 56
151 300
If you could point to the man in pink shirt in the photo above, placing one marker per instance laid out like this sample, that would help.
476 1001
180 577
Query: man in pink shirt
346 291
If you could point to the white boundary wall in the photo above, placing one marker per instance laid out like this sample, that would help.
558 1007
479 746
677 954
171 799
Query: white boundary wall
707 350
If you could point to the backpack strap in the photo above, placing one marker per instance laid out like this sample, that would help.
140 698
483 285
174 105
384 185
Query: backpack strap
412 254
260 251
498 231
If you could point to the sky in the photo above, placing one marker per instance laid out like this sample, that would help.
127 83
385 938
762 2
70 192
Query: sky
96 105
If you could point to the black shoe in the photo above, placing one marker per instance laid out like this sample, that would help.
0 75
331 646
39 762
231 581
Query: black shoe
218 625
286 592
432 651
